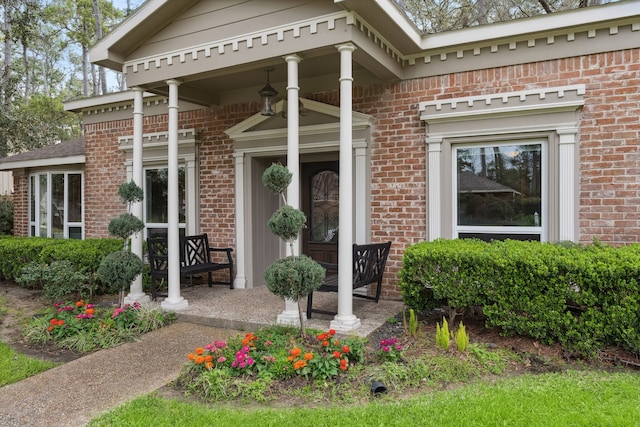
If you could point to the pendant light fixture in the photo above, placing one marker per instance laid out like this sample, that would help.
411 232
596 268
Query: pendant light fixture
267 94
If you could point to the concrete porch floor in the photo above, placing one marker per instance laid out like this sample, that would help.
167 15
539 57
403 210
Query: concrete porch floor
247 309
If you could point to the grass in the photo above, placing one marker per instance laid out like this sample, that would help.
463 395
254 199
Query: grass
13 366
570 398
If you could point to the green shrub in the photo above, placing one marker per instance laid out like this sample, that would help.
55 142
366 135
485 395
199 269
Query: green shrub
56 279
6 216
16 252
584 297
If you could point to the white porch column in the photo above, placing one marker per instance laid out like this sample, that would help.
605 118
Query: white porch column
434 146
345 320
174 300
290 314
361 214
566 184
135 291
240 281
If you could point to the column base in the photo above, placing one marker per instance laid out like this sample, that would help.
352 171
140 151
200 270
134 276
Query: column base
345 323
178 304
140 298
289 316
240 283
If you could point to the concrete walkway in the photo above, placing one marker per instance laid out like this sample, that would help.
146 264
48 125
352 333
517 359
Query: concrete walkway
76 392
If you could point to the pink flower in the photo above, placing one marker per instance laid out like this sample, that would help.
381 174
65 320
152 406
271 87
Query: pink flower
222 359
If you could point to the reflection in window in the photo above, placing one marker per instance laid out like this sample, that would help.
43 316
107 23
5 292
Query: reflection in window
156 195
324 190
500 190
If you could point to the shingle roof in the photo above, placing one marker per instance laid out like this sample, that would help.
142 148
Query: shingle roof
74 147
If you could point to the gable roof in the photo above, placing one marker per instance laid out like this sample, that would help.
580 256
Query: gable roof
63 153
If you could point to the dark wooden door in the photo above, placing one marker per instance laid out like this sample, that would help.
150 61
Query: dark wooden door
320 195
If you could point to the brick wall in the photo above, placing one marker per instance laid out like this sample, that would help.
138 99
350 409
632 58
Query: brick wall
20 204
608 150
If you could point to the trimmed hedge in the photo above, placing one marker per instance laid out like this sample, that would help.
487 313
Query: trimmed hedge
584 297
16 252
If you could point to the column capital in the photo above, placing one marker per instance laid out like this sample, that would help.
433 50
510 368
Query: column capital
173 82
292 57
346 47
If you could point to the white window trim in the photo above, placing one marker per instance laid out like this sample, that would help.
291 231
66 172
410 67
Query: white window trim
523 114
164 225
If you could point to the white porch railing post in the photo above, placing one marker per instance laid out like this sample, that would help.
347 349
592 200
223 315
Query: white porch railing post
345 320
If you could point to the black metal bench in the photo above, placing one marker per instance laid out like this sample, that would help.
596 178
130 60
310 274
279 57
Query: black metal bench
368 268
195 259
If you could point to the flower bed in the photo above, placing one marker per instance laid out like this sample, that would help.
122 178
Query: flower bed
84 327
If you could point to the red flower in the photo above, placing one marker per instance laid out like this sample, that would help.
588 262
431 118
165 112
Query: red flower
345 349
325 343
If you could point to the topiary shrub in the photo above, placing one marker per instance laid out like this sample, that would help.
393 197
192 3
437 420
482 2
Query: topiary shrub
119 269
295 276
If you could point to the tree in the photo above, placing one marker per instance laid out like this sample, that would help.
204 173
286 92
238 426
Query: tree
436 16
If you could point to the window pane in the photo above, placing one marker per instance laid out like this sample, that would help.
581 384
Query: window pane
42 204
32 200
75 232
57 206
74 197
324 206
500 186
155 194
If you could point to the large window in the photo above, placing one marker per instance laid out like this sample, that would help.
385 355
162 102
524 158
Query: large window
55 205
156 199
500 190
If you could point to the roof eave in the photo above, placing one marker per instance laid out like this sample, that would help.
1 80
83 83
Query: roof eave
36 163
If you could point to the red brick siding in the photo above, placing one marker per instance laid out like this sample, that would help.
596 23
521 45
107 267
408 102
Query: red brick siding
20 204
608 150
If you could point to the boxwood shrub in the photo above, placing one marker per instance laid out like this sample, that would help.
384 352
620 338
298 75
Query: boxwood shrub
85 255
584 297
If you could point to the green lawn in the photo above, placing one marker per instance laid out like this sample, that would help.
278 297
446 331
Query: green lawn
15 367
572 398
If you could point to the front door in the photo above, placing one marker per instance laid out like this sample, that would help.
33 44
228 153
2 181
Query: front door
320 195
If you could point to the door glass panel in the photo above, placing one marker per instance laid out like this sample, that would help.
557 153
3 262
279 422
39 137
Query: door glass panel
32 201
324 190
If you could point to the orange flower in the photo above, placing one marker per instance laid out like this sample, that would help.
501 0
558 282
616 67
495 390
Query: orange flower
343 362
308 356
199 351
60 322
208 365
336 342
299 364
90 311
53 321
208 358
199 360
79 303
343 367
50 328
295 352
325 343
191 356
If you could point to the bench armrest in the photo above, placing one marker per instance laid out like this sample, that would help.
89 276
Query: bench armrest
227 250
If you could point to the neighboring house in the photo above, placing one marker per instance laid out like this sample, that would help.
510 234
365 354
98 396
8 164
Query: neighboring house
548 107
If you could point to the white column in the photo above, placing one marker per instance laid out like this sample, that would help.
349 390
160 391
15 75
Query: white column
174 300
345 320
135 292
290 314
240 281
434 185
566 185
361 193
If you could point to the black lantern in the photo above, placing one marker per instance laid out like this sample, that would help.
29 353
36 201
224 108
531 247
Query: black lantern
267 93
